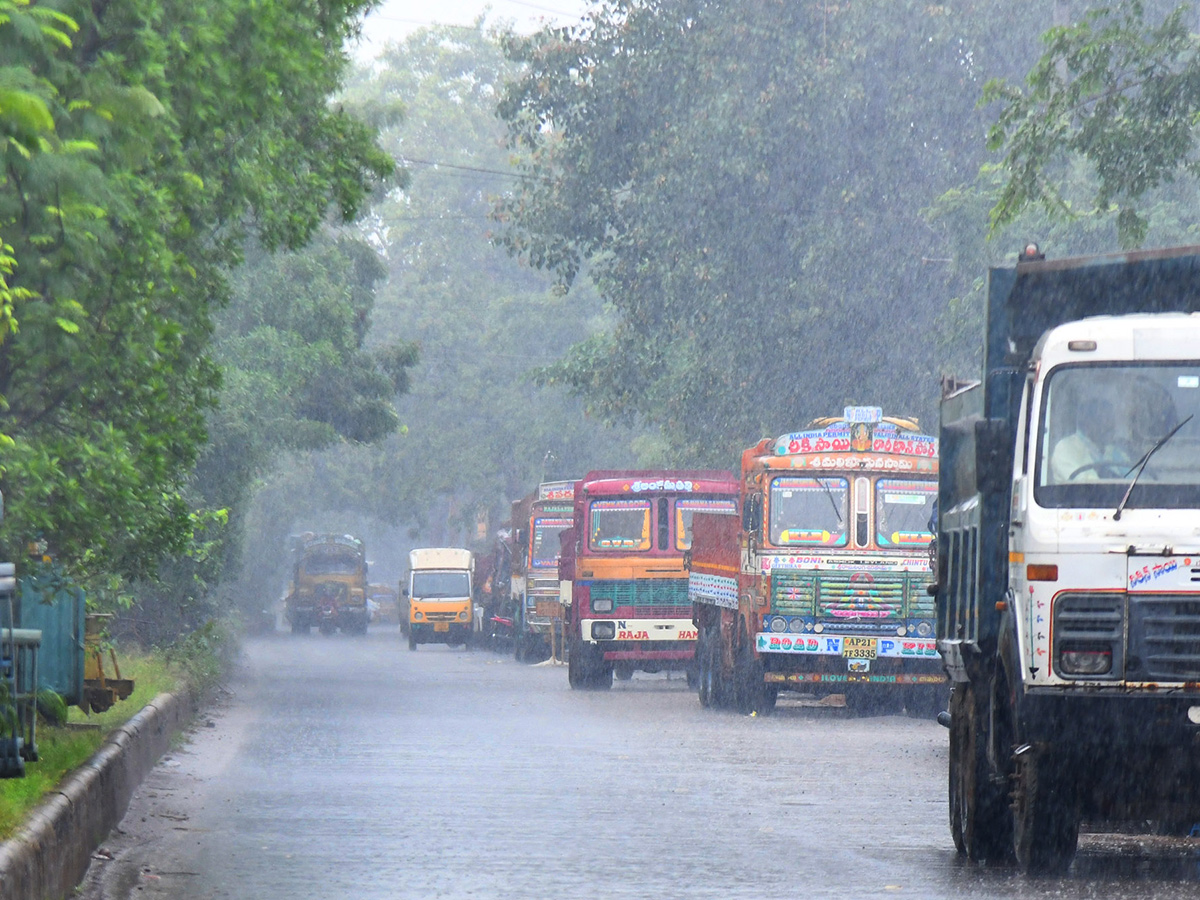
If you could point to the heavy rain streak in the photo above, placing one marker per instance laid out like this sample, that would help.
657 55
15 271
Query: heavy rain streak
607 448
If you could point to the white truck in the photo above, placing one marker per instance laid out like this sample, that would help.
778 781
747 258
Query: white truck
436 605
1068 557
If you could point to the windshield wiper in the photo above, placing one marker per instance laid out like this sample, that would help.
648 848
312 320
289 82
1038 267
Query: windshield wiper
828 493
1140 465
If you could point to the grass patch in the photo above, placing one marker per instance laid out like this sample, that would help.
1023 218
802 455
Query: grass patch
60 750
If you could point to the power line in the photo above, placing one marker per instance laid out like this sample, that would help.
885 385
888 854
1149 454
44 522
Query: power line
445 165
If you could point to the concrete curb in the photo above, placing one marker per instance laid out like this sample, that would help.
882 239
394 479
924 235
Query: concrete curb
52 850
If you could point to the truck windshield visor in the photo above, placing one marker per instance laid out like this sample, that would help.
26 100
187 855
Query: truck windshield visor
1097 423
904 513
685 509
808 512
619 525
440 585
545 541
331 565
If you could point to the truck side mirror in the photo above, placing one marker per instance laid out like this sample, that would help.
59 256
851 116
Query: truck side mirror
993 446
752 513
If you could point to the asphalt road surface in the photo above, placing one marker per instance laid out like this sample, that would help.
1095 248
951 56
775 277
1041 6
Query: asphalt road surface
350 767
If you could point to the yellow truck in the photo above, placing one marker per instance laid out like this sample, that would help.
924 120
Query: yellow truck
436 605
329 581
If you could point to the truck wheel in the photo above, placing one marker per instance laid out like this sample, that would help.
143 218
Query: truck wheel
692 674
575 673
602 677
704 656
1045 813
980 820
750 692
623 673
412 641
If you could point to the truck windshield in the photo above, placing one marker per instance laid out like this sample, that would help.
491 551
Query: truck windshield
435 585
808 512
903 510
686 508
1098 420
331 565
545 541
619 525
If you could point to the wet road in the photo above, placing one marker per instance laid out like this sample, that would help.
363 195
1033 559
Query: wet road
351 767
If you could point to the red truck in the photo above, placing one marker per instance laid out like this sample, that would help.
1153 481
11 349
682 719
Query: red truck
621 571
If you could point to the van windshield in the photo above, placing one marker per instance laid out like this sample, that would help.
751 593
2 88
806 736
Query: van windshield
435 585
1099 420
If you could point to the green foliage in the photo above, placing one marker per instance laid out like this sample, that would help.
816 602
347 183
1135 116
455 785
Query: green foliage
745 183
203 656
479 431
1115 91
175 131
51 707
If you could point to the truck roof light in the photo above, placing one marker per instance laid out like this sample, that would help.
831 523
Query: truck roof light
1041 572
1030 253
1081 346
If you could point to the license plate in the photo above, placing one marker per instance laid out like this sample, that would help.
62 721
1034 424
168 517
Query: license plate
858 648
445 626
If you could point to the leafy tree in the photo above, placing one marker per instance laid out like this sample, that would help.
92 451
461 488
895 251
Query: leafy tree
745 184
179 130
478 431
1115 92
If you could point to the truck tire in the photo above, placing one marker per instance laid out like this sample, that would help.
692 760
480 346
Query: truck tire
623 672
751 695
980 820
576 677
1045 813
602 677
412 641
705 690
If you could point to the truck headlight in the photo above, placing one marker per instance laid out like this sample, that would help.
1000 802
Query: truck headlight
604 631
924 629
1085 660
418 616
602 606
463 615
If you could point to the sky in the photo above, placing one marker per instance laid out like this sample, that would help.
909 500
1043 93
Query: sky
394 19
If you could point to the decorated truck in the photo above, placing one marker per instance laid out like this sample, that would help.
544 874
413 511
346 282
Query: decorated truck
329 584
621 571
537 523
819 585
437 602
1068 561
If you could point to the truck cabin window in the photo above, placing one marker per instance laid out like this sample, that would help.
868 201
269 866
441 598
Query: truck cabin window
1099 421
808 512
331 565
904 513
687 507
545 541
619 525
440 585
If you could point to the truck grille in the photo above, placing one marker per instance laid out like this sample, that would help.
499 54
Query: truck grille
1165 630
839 595
793 593
846 595
642 593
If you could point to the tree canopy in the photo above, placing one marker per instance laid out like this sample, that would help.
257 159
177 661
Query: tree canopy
143 143
745 184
